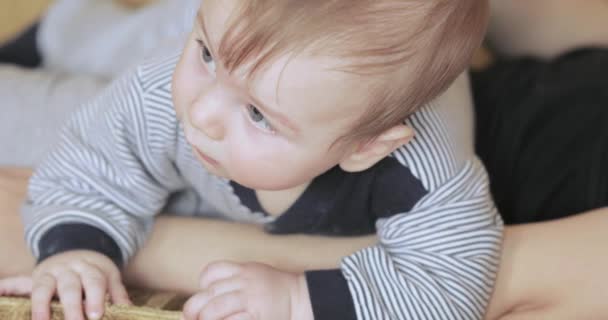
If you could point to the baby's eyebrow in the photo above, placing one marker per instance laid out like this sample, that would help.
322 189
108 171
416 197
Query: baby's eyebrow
275 115
265 109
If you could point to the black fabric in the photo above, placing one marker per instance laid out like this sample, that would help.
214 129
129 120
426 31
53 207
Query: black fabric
329 295
74 236
23 50
345 204
542 132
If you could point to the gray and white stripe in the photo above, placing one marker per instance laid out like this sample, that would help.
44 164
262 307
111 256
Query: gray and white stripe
439 260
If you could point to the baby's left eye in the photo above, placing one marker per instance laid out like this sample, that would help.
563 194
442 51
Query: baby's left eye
258 118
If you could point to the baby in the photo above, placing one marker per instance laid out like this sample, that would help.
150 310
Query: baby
302 116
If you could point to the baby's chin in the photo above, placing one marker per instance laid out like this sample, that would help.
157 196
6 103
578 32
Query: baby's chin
267 184
255 179
215 170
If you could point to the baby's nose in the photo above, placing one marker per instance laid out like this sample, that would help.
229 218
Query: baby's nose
214 131
209 120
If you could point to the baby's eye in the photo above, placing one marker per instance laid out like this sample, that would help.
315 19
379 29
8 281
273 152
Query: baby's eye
205 56
258 118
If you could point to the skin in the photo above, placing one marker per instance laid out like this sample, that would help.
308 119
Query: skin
301 108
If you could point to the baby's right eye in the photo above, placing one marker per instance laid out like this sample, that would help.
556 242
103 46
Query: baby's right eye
205 56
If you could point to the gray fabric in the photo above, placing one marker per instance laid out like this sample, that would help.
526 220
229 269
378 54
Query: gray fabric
105 38
84 44
34 105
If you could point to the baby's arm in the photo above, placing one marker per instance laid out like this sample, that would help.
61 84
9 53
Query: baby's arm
440 257
96 192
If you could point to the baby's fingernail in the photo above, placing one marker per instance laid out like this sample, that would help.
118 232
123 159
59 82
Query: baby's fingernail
94 315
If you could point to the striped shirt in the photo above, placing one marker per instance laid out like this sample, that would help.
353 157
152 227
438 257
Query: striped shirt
123 158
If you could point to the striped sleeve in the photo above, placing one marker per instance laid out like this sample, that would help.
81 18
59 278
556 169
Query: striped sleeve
103 178
439 260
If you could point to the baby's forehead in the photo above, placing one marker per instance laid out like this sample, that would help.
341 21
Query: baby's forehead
293 81
216 15
311 85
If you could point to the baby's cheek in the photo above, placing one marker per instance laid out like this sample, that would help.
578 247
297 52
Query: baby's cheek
254 162
263 169
185 85
178 94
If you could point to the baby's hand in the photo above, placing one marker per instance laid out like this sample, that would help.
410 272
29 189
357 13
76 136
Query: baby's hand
16 286
69 275
232 291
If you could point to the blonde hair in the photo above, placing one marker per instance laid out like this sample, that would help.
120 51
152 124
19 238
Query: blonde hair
411 50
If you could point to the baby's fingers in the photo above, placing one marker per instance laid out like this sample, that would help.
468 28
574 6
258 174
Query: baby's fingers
118 291
16 286
95 287
223 306
194 305
43 289
218 271
69 289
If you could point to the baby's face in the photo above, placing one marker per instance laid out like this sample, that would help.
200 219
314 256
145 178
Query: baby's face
274 132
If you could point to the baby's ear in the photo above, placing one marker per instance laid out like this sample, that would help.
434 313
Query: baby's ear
367 154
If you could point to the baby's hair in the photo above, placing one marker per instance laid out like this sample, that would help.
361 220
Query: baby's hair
409 50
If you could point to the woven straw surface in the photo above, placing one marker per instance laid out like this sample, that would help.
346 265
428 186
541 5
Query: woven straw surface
147 306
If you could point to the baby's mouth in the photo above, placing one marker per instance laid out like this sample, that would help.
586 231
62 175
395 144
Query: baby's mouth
206 158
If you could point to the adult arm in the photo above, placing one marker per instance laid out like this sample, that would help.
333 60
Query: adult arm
179 248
